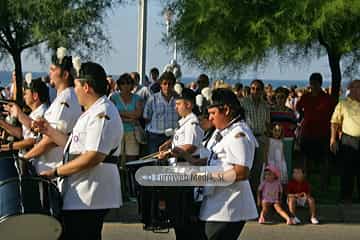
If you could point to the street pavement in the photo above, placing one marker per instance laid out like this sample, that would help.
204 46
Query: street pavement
252 231
337 224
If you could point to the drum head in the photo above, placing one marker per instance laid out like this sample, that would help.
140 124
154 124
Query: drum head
30 226
141 162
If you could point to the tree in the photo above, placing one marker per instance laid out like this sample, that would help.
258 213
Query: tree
75 24
234 34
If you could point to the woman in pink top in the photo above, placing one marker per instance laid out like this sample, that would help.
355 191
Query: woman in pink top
269 194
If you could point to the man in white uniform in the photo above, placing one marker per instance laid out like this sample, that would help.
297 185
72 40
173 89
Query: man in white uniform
36 97
62 113
91 183
232 146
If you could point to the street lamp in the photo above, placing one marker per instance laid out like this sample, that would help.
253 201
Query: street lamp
169 15
174 67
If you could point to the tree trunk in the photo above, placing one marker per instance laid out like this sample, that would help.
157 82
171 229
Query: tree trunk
19 79
334 62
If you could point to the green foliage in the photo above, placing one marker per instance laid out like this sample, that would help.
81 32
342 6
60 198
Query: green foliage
75 24
233 34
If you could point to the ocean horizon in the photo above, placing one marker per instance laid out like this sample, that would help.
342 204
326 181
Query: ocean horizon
6 75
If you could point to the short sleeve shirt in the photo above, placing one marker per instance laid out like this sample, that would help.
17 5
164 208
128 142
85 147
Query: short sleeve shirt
66 108
234 202
294 187
347 114
99 129
189 132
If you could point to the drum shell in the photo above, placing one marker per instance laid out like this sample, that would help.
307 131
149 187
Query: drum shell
166 207
7 166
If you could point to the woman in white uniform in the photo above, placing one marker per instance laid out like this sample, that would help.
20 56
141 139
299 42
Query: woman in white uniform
225 209
91 182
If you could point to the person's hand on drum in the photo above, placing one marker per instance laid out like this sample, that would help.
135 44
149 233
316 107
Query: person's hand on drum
13 109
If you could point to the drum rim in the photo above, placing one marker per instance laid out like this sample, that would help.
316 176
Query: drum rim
27 178
139 162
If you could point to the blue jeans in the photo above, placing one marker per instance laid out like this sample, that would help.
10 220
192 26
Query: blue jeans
155 140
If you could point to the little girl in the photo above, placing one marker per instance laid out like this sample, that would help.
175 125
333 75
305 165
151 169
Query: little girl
275 153
269 194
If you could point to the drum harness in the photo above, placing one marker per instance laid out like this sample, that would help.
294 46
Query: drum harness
218 138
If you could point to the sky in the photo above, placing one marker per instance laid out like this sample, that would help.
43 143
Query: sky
121 25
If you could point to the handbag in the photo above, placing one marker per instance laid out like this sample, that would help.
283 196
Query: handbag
140 134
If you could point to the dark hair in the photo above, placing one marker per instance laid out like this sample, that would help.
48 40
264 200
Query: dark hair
39 87
94 75
167 76
223 96
282 90
300 168
261 83
136 77
203 79
126 77
238 86
155 70
316 77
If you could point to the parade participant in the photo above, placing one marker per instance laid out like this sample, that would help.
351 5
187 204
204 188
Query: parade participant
36 97
232 147
189 134
64 109
91 181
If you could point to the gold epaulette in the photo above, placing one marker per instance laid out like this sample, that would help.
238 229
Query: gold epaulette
103 115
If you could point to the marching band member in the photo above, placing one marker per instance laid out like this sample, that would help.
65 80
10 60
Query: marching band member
91 181
65 108
187 138
36 97
225 209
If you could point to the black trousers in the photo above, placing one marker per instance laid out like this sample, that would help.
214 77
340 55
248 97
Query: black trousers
223 230
83 224
350 162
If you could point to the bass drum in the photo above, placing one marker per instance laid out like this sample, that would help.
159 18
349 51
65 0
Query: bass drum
29 206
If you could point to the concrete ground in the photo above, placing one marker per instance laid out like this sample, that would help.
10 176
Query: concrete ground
338 223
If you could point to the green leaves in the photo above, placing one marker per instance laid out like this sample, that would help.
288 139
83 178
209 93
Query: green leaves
233 34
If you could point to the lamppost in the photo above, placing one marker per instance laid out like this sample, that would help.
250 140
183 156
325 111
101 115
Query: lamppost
141 48
173 66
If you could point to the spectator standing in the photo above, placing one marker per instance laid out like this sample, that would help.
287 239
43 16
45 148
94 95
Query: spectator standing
346 119
139 89
317 108
257 114
159 112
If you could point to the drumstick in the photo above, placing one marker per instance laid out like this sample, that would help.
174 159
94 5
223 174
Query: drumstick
155 154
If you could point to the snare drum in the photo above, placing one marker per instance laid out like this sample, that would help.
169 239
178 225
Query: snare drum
131 168
29 209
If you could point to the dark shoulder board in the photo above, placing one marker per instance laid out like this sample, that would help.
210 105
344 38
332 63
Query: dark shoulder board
194 123
103 115
239 135
65 104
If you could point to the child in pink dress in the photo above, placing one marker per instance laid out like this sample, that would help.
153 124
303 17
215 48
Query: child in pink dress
269 194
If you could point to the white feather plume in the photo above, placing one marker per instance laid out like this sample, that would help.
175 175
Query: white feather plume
206 92
76 61
199 100
28 77
61 53
178 88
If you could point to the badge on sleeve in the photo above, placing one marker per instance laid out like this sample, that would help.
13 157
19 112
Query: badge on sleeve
65 104
239 135
103 115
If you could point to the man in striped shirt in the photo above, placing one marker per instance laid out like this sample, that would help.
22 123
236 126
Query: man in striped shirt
257 115
159 112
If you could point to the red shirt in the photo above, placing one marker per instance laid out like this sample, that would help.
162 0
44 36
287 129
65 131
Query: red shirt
317 114
294 187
